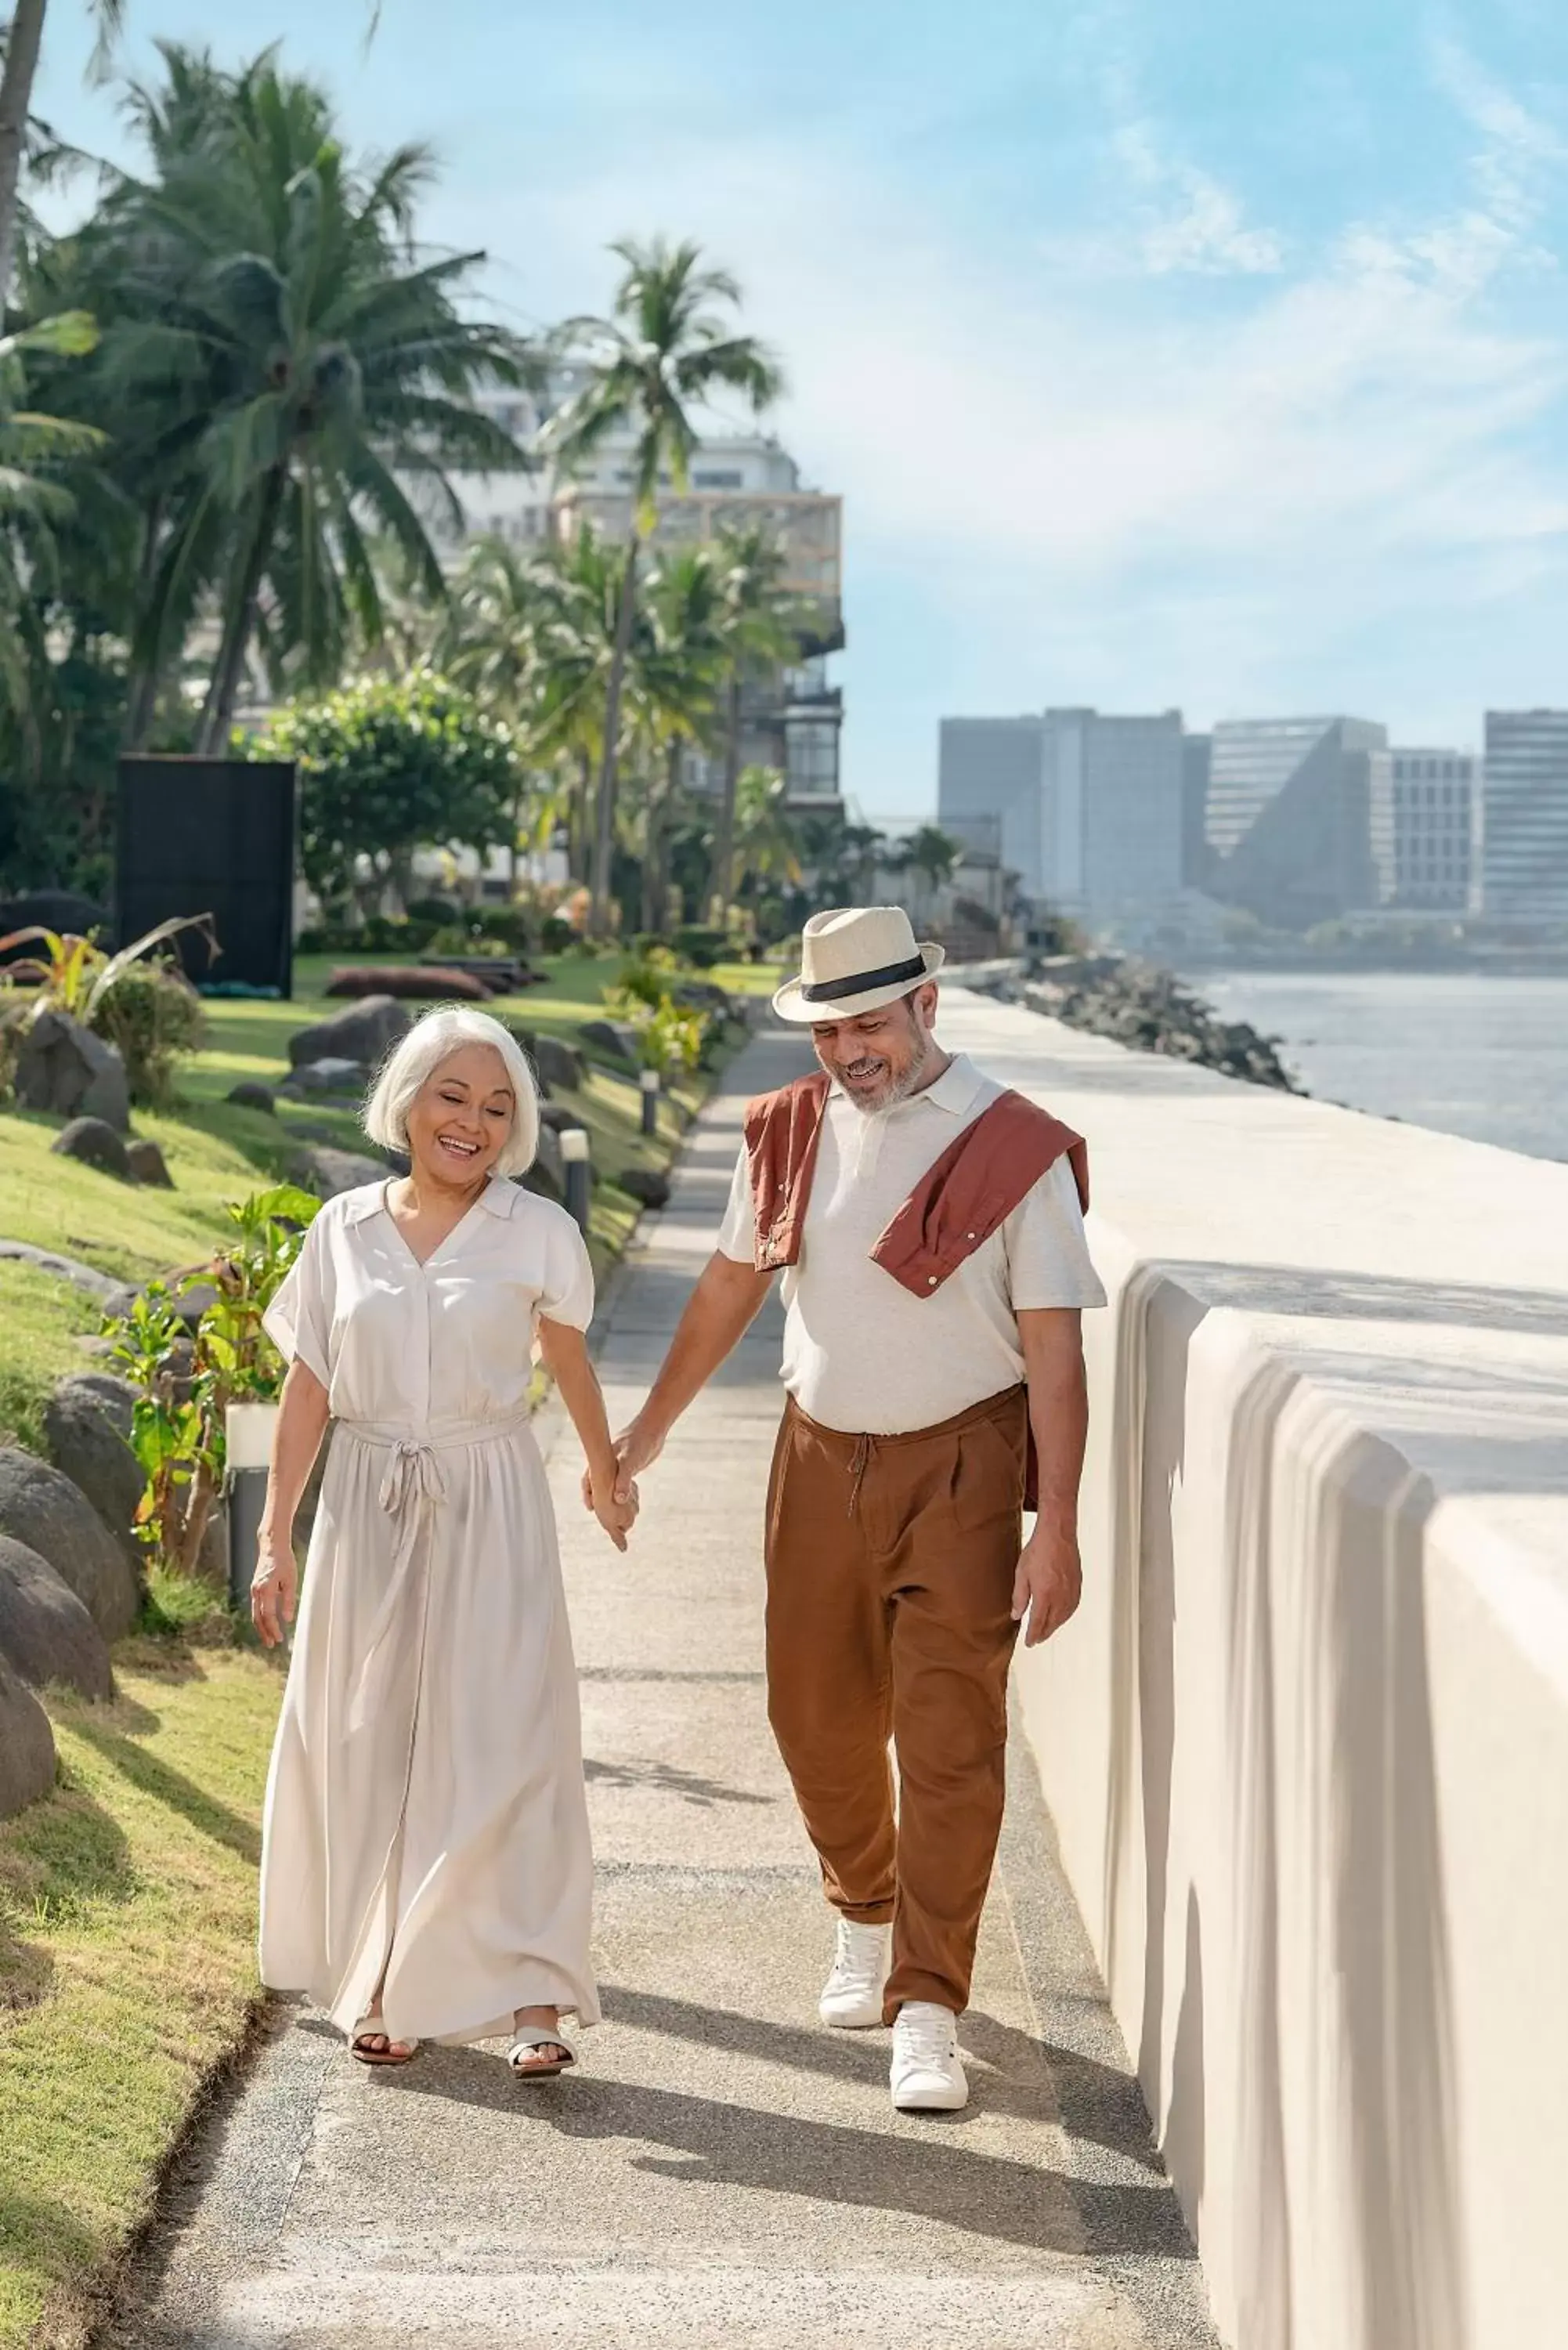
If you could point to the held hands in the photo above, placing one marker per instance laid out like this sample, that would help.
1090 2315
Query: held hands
274 1586
633 1450
1048 1582
614 1501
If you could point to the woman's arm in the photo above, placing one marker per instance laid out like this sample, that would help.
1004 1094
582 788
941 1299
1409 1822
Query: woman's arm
564 1351
295 1441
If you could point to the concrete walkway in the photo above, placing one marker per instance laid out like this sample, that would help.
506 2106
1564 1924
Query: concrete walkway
722 2170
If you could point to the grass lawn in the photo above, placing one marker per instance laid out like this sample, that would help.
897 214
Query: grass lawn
127 1966
128 1896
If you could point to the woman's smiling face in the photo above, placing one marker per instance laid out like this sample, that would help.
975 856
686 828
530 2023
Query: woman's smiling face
461 1117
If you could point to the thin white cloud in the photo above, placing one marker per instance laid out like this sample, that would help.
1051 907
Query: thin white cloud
1187 221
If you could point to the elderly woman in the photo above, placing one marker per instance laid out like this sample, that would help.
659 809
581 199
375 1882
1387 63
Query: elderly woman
426 1869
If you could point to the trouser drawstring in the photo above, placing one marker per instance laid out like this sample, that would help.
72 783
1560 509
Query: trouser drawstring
858 1468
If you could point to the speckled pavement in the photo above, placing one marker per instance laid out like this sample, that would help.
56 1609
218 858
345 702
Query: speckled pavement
721 2170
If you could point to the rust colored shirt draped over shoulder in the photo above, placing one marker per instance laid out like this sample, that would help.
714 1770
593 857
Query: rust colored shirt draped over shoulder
958 1203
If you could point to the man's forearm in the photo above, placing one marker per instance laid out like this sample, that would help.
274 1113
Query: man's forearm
1058 1409
720 1311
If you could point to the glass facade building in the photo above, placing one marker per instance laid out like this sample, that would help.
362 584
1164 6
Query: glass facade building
1288 817
1523 846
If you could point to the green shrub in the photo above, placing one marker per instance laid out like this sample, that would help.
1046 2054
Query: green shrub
701 948
153 1015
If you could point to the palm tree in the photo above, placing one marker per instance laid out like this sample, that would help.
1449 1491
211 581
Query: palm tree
665 349
24 39
291 366
677 688
761 630
35 453
767 842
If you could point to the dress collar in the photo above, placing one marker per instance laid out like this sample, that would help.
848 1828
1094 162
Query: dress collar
499 1198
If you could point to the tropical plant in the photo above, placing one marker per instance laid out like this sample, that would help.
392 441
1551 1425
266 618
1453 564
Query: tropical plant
389 765
675 691
665 347
154 1016
185 1386
75 974
297 378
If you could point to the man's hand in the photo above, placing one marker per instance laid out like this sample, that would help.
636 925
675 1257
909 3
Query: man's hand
1048 1582
635 1449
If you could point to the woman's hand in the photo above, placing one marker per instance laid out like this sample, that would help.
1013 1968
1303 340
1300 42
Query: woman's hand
616 1514
274 1586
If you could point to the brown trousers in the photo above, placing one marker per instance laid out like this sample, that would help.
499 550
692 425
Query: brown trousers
890 1567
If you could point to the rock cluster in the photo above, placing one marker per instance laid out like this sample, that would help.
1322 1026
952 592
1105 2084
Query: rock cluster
1150 1011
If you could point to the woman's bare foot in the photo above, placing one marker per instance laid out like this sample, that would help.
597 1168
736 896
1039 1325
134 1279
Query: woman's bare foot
550 2055
373 2047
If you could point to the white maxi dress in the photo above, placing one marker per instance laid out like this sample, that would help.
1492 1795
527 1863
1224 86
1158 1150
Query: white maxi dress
425 1809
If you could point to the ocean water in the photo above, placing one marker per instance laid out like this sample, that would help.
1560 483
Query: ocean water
1486 1057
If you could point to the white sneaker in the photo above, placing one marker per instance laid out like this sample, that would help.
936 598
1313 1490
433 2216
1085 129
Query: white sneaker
928 2072
852 1995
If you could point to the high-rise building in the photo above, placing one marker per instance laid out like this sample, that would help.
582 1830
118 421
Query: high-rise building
791 717
991 789
1424 810
1288 817
1196 752
1524 853
1087 809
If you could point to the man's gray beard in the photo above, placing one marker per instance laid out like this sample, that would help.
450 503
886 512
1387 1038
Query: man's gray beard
900 1088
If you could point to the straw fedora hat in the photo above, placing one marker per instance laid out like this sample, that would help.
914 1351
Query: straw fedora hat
853 960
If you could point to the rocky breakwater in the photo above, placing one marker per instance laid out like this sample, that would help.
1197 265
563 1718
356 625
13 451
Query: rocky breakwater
1148 1010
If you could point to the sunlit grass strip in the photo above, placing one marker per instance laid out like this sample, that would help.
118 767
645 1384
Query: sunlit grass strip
127 1960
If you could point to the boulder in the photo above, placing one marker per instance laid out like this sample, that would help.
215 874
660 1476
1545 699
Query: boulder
557 1064
330 1076
612 1037
46 1633
40 1507
64 1069
66 911
146 1164
549 1160
249 1095
560 1118
420 982
647 1185
364 1032
328 1171
114 1296
702 995
27 1745
87 1428
96 1143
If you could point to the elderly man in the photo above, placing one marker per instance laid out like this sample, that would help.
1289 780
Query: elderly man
929 1227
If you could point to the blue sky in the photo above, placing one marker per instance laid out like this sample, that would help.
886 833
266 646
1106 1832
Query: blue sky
1166 352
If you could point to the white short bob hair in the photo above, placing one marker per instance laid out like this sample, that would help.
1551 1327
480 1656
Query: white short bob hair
415 1060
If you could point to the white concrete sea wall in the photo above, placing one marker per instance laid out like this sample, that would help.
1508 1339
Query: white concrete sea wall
1307 1744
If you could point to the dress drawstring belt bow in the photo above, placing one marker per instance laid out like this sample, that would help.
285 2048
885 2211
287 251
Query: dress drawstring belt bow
411 1489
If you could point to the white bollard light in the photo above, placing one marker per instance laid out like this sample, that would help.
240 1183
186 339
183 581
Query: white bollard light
576 1153
650 1083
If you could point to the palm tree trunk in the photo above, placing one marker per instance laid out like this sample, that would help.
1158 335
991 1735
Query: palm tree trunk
25 37
654 889
599 919
720 881
224 690
578 812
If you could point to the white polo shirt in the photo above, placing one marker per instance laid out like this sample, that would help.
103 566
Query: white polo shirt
861 1353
